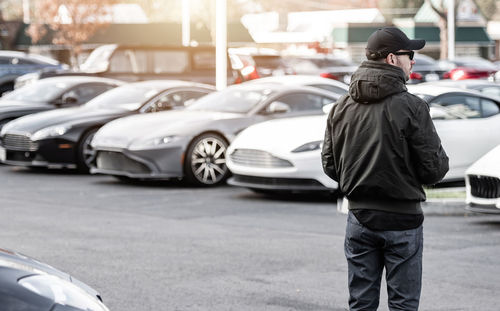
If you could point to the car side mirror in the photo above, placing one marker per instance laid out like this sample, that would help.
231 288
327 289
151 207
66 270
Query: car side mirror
69 99
278 107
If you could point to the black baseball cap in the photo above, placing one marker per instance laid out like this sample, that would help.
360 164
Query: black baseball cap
389 40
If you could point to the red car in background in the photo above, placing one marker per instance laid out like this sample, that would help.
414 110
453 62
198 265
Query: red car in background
462 68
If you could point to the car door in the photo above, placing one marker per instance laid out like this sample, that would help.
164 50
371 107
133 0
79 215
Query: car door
468 126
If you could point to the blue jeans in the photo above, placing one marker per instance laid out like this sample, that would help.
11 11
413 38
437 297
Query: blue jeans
368 252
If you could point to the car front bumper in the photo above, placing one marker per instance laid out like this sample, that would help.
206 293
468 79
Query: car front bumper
158 163
50 153
482 193
304 174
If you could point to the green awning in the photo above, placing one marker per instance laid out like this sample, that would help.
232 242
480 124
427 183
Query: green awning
429 33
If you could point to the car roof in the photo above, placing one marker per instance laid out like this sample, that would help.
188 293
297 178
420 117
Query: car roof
436 90
277 87
460 83
82 79
300 80
171 84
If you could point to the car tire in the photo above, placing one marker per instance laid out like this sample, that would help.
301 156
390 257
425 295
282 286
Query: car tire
85 153
205 161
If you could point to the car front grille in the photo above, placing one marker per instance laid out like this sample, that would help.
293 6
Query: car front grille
484 186
117 161
257 158
19 142
271 181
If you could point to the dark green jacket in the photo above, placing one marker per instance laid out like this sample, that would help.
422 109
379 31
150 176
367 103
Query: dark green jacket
380 142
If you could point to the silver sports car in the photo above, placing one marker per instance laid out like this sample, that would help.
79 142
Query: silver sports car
191 143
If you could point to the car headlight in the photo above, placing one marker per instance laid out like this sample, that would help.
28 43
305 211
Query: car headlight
51 131
311 146
152 142
61 292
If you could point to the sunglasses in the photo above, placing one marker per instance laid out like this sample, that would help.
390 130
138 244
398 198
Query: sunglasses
409 53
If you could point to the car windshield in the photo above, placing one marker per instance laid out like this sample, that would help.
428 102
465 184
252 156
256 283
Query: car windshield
234 100
127 97
39 92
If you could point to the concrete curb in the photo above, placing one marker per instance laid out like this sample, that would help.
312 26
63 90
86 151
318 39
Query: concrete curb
445 207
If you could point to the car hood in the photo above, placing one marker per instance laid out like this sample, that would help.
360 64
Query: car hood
13 105
487 165
282 135
21 262
37 121
121 132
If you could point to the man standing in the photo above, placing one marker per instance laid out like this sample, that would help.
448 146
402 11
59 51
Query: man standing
381 147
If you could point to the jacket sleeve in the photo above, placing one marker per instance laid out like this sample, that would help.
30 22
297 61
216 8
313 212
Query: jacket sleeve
327 152
429 158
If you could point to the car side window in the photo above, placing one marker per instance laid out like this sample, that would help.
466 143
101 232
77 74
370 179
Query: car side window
21 61
86 92
489 107
457 107
5 60
301 102
170 100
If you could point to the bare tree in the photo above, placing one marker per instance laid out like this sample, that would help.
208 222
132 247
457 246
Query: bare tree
442 11
72 22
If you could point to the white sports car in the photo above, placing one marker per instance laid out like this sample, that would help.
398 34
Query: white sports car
482 183
282 154
285 154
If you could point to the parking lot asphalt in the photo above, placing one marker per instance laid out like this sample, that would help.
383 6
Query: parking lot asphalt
164 246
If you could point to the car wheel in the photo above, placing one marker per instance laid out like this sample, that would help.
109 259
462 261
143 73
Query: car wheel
86 154
205 163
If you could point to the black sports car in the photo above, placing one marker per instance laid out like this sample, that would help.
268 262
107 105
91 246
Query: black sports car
29 285
52 93
61 138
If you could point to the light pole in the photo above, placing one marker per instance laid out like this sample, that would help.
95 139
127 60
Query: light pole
451 29
220 44
186 23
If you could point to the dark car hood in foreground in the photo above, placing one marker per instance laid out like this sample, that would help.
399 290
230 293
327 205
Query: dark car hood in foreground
72 116
31 266
184 122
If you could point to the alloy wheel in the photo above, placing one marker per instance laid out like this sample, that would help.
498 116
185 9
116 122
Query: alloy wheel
208 160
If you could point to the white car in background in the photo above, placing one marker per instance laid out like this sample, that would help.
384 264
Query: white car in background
280 155
468 123
285 154
482 184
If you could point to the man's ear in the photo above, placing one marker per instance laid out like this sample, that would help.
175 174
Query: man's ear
389 59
